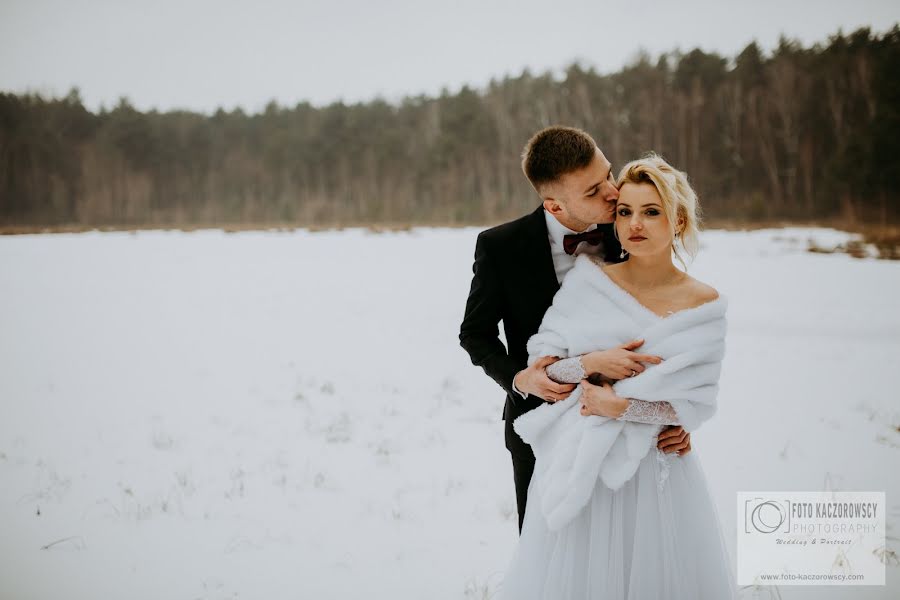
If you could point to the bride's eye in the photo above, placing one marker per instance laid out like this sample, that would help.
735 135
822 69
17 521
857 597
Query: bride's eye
652 212
623 212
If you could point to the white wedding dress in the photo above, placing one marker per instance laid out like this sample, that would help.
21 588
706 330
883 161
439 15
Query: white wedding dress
656 537
635 543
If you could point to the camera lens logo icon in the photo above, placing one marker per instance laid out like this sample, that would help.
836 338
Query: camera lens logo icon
767 516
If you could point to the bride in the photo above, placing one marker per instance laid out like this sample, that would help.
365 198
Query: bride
612 517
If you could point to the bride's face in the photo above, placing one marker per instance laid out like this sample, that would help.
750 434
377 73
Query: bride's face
641 222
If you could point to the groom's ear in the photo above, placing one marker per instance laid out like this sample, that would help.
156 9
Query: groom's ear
552 206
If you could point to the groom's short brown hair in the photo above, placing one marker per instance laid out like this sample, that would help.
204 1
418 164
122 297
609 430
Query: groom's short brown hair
554 151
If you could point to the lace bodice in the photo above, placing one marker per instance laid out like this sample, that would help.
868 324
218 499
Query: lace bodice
571 370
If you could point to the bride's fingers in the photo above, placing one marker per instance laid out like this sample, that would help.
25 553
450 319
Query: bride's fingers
669 446
679 449
671 432
647 358
632 344
673 444
635 366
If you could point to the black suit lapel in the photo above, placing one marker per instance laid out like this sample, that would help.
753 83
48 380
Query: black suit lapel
537 249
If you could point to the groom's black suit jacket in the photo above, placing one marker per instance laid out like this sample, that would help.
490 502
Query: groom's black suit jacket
514 281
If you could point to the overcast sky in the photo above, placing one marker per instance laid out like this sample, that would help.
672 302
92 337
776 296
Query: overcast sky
202 54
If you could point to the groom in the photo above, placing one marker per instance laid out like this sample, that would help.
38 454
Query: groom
518 268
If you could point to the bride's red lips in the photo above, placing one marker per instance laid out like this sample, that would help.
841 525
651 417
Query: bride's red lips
636 238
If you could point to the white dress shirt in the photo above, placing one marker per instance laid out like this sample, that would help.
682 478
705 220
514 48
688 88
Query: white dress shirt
556 231
562 262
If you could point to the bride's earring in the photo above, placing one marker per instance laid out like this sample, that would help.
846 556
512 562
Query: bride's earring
622 254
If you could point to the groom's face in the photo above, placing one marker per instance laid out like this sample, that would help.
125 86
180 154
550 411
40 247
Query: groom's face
584 197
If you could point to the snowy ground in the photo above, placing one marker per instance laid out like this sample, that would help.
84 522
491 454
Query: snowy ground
289 415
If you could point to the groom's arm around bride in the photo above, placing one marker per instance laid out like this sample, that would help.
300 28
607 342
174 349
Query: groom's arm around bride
517 271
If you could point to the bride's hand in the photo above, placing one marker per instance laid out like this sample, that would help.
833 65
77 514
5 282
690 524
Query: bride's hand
620 362
601 400
674 439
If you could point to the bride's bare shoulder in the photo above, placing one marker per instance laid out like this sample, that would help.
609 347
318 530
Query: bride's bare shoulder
699 292
608 268
598 262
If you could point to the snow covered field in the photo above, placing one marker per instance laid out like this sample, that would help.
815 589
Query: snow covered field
289 414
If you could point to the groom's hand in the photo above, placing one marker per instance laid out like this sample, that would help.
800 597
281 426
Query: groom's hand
534 380
673 438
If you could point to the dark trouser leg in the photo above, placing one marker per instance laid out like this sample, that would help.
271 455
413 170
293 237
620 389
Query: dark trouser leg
523 467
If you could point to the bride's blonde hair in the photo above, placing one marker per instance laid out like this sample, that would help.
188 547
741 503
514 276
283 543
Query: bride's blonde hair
678 198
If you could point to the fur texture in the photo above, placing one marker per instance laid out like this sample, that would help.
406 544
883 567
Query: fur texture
591 312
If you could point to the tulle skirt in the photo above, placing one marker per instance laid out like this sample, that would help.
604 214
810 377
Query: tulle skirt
639 542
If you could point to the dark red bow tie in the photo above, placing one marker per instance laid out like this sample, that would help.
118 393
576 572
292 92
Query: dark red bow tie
571 241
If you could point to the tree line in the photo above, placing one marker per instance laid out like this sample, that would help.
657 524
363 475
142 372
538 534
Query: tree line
799 133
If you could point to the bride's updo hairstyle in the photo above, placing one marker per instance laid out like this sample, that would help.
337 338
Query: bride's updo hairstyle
678 198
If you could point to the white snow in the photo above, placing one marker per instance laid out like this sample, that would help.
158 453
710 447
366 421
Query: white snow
290 415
